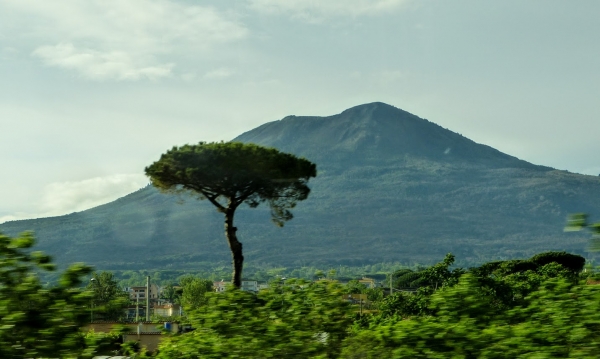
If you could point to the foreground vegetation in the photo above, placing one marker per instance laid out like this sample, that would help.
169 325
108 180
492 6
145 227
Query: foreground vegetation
542 307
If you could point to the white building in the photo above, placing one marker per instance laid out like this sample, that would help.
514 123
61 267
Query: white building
140 292
220 286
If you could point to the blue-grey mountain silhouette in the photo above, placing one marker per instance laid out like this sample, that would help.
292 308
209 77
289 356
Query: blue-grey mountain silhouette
390 187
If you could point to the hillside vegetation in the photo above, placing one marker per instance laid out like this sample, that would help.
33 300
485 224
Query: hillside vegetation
391 187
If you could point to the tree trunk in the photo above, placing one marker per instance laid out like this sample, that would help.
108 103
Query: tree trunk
235 246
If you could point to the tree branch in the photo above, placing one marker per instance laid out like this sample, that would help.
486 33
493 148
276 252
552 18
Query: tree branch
212 199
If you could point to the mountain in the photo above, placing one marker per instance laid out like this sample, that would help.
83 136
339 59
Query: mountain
373 134
390 187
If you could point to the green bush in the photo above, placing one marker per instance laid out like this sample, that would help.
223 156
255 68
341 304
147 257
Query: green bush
35 320
295 319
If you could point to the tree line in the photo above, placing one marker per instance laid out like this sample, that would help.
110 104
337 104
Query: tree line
545 306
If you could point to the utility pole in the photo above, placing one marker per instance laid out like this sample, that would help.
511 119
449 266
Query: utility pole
361 303
93 280
391 288
148 298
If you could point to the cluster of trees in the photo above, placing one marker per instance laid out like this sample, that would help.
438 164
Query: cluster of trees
557 320
108 300
262 272
540 307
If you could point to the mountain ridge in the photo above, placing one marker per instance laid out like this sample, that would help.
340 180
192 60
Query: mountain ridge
390 187
376 122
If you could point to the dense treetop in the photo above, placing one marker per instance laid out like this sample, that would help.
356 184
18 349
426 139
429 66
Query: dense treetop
236 171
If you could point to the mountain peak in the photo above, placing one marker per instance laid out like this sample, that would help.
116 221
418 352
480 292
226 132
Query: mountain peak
369 109
374 132
391 187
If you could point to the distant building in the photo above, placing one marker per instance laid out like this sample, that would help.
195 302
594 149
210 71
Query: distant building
248 285
220 286
147 334
355 298
344 280
140 292
167 310
368 282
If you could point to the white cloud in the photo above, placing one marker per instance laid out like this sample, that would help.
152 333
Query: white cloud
66 197
96 65
318 10
120 40
220 73
61 198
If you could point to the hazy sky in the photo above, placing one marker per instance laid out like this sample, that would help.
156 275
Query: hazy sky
92 91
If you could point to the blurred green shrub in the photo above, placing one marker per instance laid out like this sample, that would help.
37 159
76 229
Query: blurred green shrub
294 319
40 321
560 320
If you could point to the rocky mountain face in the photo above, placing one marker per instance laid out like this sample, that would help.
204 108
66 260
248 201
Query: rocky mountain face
390 187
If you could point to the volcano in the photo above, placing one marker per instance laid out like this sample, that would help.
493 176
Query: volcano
391 187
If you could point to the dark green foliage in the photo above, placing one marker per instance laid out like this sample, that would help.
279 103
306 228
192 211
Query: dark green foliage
407 279
507 283
505 267
547 314
405 304
38 321
109 300
500 310
194 292
436 276
572 262
235 172
559 320
425 282
568 261
171 294
354 287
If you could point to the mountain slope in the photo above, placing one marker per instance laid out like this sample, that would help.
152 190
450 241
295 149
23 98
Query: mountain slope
390 187
375 133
